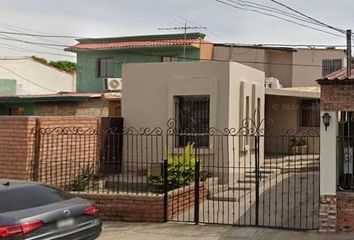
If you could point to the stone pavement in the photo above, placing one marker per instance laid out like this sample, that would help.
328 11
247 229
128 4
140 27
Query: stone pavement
171 231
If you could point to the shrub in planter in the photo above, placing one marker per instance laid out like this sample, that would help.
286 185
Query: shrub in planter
180 171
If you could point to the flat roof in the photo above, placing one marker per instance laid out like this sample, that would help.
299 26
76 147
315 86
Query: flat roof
299 92
59 97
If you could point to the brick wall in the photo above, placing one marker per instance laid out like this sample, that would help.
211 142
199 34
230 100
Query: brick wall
345 211
16 147
337 97
68 148
132 208
328 213
182 199
61 154
150 208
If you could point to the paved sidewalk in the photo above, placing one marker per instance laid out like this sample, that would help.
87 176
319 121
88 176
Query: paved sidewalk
171 231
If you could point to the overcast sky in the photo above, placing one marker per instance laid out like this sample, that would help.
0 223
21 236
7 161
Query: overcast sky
103 18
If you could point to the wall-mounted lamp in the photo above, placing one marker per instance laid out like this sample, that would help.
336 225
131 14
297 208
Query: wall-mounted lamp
326 119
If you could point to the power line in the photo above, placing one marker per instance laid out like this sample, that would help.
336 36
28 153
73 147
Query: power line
20 29
262 7
27 80
313 19
39 35
281 18
19 49
30 42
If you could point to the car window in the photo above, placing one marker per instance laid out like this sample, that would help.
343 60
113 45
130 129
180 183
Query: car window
25 197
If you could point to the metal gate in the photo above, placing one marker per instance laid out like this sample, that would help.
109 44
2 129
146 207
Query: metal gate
246 177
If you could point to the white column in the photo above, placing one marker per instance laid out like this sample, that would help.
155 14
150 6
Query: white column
328 162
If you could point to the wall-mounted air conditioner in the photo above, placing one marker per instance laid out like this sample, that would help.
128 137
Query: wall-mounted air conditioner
272 82
113 84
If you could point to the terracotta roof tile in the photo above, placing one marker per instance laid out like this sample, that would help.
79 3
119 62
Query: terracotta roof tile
133 44
339 75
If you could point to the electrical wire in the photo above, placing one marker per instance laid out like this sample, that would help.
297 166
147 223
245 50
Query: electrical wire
27 80
39 35
281 18
313 19
273 10
19 49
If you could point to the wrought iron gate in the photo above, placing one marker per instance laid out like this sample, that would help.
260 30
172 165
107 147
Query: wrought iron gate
246 177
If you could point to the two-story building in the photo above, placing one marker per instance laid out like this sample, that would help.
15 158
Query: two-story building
100 58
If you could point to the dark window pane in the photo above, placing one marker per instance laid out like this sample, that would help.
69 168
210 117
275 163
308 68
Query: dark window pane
20 198
105 67
330 65
310 113
193 118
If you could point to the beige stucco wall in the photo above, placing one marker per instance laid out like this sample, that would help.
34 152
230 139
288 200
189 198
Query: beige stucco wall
281 64
36 78
246 56
307 75
285 114
149 90
328 163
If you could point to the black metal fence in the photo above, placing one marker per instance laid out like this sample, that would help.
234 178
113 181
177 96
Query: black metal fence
345 165
246 177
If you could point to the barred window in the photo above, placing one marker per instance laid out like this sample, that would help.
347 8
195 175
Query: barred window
310 113
193 118
169 59
105 67
330 65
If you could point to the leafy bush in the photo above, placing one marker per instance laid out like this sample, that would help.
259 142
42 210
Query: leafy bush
180 171
83 181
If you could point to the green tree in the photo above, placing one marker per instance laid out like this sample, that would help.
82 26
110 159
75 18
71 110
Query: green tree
67 66
40 59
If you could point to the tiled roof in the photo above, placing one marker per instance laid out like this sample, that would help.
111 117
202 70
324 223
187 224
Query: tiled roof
193 39
339 75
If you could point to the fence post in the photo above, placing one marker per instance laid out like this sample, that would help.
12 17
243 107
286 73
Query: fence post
165 183
196 191
37 143
257 177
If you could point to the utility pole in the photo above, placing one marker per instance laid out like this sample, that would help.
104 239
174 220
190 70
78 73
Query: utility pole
349 52
185 28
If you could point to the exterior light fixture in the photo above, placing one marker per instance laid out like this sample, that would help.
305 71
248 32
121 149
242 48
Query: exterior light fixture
326 119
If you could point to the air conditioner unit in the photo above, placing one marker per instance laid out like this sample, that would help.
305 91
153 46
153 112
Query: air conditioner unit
113 84
272 82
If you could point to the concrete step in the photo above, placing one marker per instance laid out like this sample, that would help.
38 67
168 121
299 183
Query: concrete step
253 175
304 169
215 189
240 188
261 172
247 181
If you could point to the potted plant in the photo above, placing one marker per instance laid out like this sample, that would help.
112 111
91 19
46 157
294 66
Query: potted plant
293 149
302 146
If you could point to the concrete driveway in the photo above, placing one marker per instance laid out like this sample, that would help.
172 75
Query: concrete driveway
170 231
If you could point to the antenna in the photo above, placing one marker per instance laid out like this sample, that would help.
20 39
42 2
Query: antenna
185 28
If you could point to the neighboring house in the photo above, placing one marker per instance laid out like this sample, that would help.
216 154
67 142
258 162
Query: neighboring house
292 109
61 104
100 58
293 67
25 76
293 102
212 94
337 142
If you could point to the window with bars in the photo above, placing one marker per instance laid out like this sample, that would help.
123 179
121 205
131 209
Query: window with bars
105 67
330 65
192 114
169 59
310 113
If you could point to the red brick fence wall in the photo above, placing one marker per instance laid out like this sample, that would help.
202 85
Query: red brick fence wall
58 152
145 208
